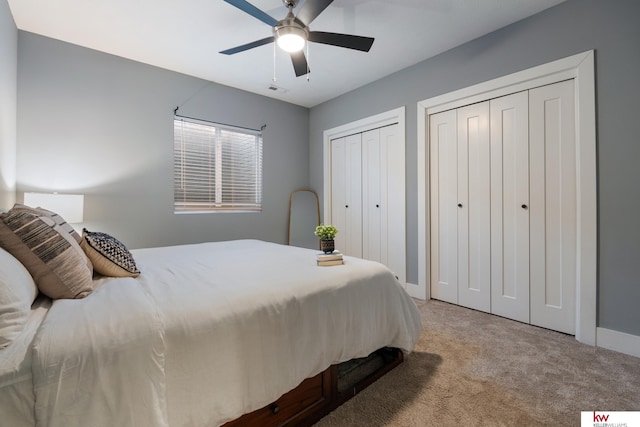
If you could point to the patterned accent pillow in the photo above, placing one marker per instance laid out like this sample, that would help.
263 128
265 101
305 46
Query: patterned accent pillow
109 256
50 254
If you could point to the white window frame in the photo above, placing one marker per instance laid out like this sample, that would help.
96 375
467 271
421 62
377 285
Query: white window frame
218 171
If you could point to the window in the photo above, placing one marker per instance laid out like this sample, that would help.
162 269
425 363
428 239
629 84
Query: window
216 167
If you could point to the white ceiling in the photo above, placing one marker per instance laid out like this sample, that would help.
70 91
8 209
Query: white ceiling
186 36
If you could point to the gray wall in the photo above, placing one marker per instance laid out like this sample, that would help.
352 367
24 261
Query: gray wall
609 27
8 85
101 125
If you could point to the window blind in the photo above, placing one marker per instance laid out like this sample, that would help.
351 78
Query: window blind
216 167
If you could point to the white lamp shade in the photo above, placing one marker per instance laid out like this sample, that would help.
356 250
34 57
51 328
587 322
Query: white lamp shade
291 42
68 206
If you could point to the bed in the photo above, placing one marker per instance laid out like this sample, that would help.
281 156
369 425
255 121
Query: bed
206 333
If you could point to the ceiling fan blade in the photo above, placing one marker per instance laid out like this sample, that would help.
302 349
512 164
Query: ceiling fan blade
247 7
311 9
300 65
342 40
248 46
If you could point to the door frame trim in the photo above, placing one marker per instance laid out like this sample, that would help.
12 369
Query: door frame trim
580 68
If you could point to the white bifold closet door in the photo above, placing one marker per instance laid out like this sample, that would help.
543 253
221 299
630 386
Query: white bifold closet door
461 218
367 196
503 206
346 191
443 187
374 196
553 212
510 206
474 207
382 201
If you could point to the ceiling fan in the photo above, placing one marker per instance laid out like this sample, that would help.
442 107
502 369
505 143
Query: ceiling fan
292 32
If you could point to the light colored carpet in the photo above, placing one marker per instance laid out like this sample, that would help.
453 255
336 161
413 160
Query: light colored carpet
474 369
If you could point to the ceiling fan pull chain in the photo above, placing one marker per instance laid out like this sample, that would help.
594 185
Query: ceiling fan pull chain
274 63
308 59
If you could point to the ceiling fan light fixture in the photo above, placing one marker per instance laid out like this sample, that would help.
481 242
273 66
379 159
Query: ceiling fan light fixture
292 32
291 39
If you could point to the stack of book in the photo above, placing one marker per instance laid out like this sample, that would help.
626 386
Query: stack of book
332 258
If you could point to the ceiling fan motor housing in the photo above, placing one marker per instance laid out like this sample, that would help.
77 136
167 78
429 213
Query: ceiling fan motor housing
291 27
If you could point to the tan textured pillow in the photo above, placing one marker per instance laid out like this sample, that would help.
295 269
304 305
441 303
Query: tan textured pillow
109 256
64 225
51 255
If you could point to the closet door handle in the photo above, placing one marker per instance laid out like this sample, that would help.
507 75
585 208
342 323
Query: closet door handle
459 205
346 206
525 207
377 206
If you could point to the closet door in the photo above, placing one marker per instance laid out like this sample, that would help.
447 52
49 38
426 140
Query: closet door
392 200
443 165
382 170
339 190
474 207
510 206
368 196
346 193
553 206
374 195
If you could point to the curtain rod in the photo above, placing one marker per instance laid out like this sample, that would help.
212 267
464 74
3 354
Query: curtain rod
175 113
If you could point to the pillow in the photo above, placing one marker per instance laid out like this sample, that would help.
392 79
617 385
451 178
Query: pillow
64 225
17 293
109 256
51 255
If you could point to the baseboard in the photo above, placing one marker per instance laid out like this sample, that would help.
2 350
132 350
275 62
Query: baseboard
618 341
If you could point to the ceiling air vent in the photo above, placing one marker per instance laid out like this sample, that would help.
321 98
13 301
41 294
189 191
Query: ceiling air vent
277 89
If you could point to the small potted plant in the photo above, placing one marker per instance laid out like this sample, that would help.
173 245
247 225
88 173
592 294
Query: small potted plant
326 234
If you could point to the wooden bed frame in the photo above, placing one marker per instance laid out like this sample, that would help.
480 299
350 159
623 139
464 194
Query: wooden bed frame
315 397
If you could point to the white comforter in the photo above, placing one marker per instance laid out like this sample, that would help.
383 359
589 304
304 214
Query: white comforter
209 332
